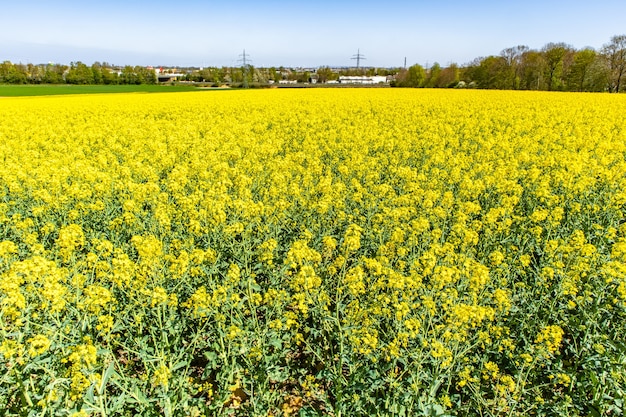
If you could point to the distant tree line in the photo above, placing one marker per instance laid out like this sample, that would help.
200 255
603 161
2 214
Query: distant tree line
556 67
254 75
75 73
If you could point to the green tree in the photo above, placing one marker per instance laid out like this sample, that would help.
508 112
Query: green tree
54 74
273 74
79 73
325 74
243 75
109 75
128 76
303 76
218 75
96 70
489 72
531 70
13 73
387 71
137 75
416 76
206 75
247 75
554 54
432 75
413 77
145 75
579 72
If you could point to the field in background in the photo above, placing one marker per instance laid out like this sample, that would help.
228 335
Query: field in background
49 90
313 252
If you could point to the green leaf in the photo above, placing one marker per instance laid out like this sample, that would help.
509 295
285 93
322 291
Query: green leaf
105 378
211 358
179 365
277 374
594 411
275 342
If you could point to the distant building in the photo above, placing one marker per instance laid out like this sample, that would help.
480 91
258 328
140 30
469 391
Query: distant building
165 76
363 79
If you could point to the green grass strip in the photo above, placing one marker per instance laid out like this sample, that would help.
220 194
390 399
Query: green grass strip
49 89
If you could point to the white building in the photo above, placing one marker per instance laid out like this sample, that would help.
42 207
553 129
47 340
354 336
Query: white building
363 79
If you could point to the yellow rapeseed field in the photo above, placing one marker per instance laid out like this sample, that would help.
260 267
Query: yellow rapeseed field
336 252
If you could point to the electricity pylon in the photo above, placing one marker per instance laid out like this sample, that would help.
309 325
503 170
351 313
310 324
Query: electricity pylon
358 58
244 59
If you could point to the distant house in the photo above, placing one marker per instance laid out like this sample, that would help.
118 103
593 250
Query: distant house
165 76
362 79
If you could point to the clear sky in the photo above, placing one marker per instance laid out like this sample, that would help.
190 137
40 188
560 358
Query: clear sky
296 33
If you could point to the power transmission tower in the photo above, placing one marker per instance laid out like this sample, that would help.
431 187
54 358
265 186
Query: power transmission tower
358 58
245 65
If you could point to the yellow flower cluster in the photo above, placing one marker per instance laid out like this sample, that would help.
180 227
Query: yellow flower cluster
550 338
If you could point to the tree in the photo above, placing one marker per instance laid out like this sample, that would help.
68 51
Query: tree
53 74
531 70
303 76
137 75
247 71
433 75
145 75
324 74
218 75
35 73
13 73
109 75
202 75
274 75
615 55
579 71
259 76
448 77
489 72
416 76
554 54
513 58
79 73
96 70
128 76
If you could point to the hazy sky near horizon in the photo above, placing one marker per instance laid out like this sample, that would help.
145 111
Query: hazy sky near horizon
313 33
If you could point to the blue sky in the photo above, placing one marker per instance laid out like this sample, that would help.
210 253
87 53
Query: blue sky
303 33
